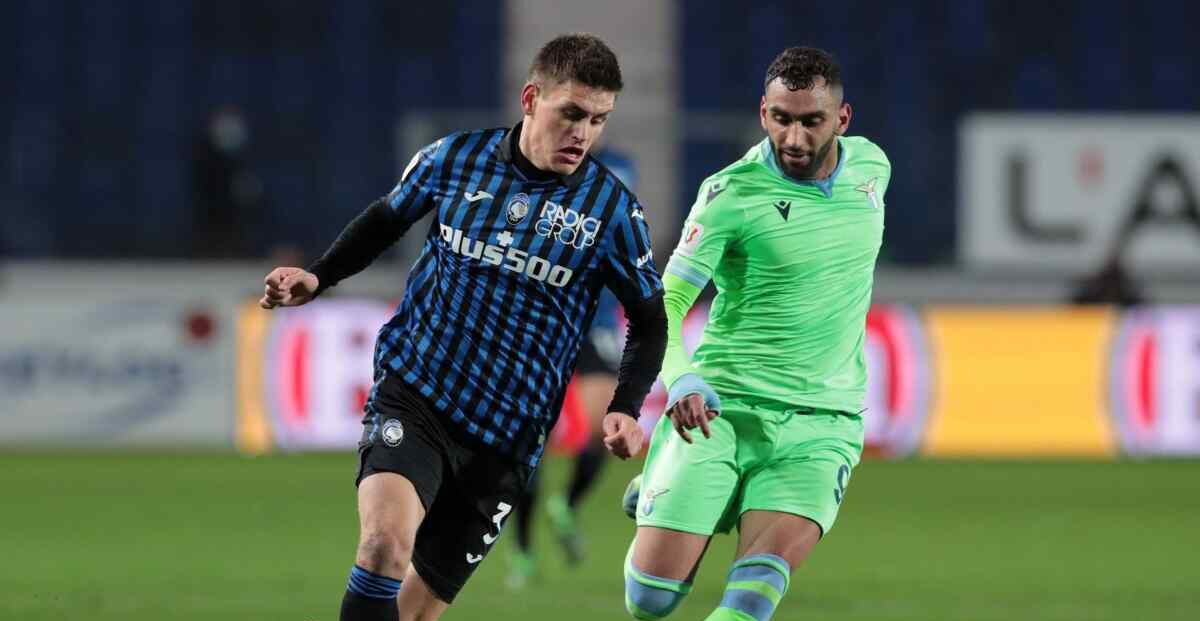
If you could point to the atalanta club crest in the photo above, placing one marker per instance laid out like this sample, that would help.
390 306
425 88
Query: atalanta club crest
518 208
393 432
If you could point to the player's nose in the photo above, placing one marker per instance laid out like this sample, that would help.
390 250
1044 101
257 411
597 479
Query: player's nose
580 132
797 137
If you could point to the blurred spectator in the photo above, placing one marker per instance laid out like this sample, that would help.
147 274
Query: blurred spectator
226 195
1111 285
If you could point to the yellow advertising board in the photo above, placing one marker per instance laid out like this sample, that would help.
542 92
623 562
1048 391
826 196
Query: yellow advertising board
1019 381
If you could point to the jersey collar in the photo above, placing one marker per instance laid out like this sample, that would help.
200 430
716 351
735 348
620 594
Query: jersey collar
508 150
824 185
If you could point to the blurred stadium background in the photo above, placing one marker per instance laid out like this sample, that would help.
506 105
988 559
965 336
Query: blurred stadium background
169 451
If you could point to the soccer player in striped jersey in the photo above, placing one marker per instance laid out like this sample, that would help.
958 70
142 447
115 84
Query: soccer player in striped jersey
471 371
595 379
789 234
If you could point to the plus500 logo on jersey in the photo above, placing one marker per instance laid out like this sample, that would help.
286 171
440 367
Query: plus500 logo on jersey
567 226
511 259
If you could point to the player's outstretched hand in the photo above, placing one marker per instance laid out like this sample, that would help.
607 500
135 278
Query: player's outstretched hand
623 436
288 286
690 413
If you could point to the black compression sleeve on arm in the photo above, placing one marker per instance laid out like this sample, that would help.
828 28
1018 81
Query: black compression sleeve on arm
364 239
645 343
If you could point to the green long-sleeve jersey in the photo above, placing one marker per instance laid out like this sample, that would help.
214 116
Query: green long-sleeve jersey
793 263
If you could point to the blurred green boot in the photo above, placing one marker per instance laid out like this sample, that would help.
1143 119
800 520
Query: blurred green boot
562 519
521 571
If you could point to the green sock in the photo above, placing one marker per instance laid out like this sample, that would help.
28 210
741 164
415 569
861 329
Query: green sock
754 588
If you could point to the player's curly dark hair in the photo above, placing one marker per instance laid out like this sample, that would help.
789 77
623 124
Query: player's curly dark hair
581 57
798 67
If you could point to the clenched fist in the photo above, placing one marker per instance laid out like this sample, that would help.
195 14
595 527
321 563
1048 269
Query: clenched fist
288 286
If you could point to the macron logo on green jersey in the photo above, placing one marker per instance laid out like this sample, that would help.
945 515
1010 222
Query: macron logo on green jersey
784 208
714 191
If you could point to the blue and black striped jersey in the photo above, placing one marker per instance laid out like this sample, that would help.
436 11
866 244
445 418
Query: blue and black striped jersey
507 283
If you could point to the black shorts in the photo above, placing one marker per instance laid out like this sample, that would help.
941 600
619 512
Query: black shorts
468 489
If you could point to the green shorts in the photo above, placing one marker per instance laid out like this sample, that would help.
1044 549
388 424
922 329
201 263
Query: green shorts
760 457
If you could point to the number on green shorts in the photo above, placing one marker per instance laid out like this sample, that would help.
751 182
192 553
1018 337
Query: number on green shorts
843 477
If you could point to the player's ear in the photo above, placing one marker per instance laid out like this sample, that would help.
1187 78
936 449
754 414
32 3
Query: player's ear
762 113
844 114
528 98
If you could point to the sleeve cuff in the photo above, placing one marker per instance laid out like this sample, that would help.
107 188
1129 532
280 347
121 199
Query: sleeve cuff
690 383
324 278
687 272
623 408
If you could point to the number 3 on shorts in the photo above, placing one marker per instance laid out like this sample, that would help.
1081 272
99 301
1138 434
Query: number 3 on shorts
843 477
502 510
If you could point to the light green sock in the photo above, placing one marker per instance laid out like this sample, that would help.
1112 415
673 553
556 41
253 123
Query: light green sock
754 588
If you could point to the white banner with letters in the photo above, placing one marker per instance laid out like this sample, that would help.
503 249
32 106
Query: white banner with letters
119 365
1070 193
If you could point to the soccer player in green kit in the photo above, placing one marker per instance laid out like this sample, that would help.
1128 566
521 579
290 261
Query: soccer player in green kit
789 234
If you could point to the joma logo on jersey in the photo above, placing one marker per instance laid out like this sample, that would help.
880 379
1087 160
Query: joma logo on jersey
511 259
567 226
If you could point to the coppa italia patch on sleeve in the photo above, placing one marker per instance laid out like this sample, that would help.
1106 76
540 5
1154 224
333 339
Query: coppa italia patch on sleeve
691 238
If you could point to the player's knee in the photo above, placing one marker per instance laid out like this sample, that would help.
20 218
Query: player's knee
384 552
649 597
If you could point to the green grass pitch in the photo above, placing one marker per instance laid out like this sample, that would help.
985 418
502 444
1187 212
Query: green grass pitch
197 536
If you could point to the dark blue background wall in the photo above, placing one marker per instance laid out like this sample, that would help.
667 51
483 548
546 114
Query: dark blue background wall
104 99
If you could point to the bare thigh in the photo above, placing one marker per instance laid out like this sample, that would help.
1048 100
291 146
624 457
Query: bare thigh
670 554
389 513
783 534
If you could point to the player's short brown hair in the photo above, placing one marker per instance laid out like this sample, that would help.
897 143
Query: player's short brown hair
798 67
579 56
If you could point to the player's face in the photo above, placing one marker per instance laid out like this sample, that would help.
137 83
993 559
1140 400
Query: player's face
803 125
562 122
